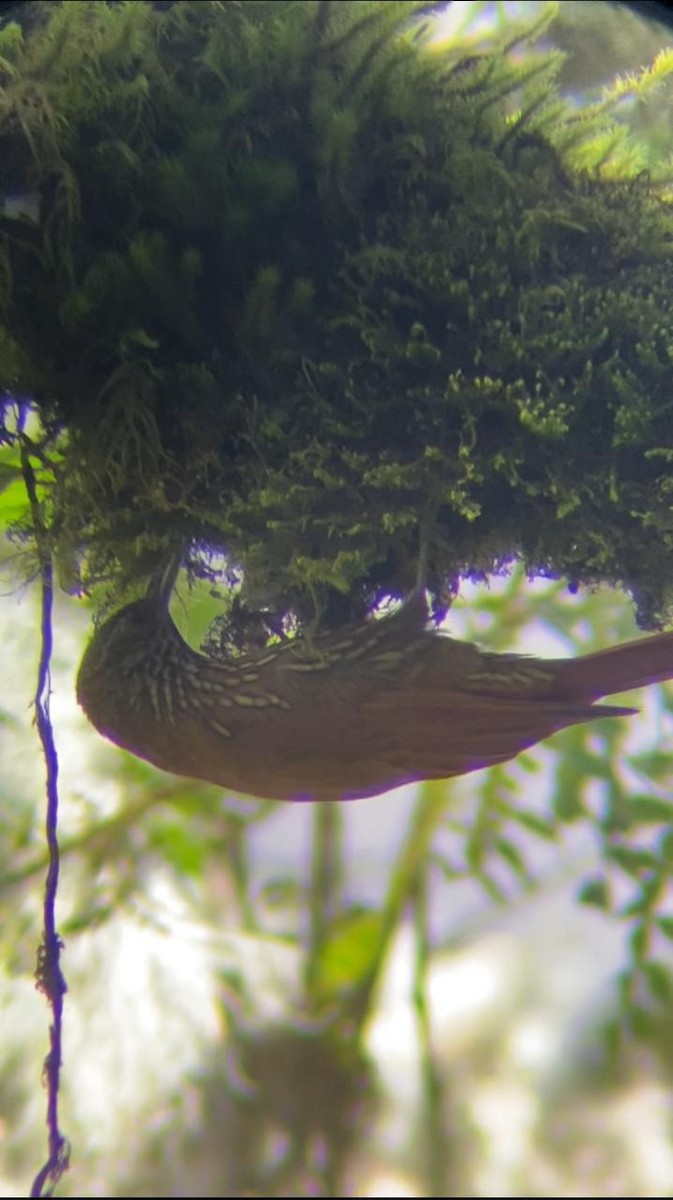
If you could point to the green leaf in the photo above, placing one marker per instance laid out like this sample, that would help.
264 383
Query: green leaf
650 809
514 858
348 952
492 888
178 845
665 926
617 818
475 850
655 764
646 898
666 847
596 893
542 826
639 941
566 801
13 502
641 1021
9 472
659 980
632 860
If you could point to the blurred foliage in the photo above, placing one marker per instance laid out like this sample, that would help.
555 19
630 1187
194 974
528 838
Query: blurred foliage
289 1100
290 282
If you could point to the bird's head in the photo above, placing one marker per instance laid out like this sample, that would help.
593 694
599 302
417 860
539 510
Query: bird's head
123 645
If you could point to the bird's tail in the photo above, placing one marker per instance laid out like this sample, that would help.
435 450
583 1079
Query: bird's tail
618 669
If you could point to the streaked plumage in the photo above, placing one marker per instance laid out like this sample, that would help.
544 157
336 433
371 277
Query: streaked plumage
358 712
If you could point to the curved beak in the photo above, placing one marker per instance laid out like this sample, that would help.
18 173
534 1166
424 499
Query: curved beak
160 588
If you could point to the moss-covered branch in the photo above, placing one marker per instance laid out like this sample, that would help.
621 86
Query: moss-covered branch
285 282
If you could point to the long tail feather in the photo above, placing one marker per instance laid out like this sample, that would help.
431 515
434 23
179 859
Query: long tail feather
634 664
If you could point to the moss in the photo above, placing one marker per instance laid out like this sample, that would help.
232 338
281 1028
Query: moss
299 289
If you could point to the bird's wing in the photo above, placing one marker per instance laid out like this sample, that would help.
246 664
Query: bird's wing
436 734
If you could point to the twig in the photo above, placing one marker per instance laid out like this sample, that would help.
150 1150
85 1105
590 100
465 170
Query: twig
429 815
325 880
434 1133
49 976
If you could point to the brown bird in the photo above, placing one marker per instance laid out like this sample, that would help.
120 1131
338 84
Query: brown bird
354 713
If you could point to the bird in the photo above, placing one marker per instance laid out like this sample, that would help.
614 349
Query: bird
345 714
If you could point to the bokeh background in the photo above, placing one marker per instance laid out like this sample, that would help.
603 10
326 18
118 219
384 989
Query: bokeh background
401 996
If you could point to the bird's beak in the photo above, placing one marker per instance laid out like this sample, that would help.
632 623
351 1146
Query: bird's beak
163 581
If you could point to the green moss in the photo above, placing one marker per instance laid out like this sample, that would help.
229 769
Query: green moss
300 287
